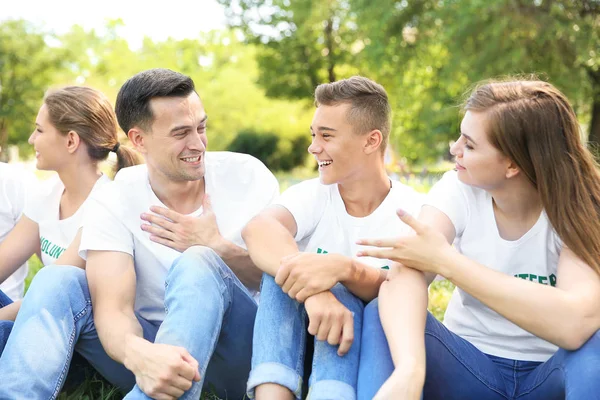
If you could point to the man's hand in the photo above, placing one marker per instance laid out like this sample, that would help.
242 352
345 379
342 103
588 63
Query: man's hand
162 371
330 320
302 275
181 232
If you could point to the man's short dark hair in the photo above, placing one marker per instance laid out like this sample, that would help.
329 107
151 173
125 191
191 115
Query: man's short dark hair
133 101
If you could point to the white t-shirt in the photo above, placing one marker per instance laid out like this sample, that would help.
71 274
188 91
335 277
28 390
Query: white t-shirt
15 184
324 225
533 257
239 186
44 208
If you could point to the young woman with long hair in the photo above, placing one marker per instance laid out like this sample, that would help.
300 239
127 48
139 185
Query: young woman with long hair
76 129
522 209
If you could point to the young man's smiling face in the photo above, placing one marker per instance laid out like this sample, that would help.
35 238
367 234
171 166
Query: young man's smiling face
337 148
176 143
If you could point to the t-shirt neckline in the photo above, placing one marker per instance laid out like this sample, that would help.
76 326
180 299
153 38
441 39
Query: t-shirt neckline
359 221
535 228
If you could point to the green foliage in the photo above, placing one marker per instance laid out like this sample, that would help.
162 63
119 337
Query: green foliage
426 53
27 67
302 43
440 293
275 153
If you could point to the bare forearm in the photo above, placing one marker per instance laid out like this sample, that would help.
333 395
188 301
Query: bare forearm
9 312
363 281
240 263
118 333
403 312
268 242
548 312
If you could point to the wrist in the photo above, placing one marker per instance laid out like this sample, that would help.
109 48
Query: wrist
221 246
346 268
134 346
445 265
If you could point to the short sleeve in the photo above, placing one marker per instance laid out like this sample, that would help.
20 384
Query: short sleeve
449 195
103 231
306 201
43 199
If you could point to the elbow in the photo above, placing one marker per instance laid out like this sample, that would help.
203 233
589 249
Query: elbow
249 228
573 341
577 333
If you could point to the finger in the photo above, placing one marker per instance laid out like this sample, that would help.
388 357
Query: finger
165 212
282 274
335 333
304 294
324 328
165 242
172 390
313 325
181 384
194 364
163 396
293 292
158 220
158 231
411 221
347 335
385 254
185 369
385 242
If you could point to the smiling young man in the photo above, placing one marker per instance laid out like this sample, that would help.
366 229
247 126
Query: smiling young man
306 242
168 323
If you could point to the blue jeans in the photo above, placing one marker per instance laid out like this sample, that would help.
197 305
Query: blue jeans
279 347
209 312
5 326
458 370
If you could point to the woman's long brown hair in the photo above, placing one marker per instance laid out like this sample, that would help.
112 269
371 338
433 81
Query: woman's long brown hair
533 124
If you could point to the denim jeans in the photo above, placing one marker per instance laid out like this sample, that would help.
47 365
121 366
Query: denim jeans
279 346
5 326
458 370
209 312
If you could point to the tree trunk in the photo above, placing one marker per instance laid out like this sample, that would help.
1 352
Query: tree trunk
594 136
329 44
3 141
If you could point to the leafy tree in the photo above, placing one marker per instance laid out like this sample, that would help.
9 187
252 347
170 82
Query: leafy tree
27 67
302 43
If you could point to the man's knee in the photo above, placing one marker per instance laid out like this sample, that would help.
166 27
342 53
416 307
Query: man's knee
55 279
348 299
197 266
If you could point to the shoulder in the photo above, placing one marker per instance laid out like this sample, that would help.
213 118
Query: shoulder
132 174
309 188
406 194
246 169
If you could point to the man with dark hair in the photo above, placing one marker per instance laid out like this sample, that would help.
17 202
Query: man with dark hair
172 287
306 245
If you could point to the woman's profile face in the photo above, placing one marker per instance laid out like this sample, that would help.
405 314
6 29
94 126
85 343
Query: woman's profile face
478 163
49 144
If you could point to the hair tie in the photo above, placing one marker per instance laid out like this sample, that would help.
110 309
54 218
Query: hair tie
114 149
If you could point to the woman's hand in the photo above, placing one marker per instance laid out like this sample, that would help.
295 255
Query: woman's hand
425 251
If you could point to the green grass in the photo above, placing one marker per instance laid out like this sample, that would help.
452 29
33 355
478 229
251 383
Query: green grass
95 387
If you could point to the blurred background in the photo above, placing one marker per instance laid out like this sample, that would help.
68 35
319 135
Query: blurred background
256 64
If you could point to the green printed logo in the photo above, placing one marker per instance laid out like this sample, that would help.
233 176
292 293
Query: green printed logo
50 248
321 251
544 280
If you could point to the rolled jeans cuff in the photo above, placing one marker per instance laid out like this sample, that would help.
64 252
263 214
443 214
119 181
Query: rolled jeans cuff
275 373
331 390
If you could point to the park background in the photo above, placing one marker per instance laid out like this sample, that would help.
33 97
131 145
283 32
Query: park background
256 64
